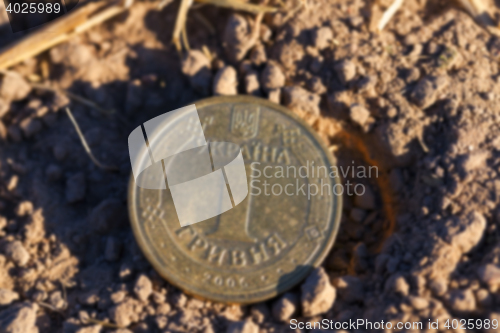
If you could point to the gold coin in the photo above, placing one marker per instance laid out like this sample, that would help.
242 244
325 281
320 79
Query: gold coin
270 241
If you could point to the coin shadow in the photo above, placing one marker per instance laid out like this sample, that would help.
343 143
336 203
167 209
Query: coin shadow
289 280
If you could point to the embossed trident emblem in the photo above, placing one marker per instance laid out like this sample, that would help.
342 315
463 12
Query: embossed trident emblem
245 121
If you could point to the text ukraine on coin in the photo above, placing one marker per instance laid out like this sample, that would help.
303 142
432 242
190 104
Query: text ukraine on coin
231 199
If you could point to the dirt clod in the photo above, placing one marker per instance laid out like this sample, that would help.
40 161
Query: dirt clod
318 294
13 87
359 114
285 307
397 284
272 77
275 96
16 252
418 303
19 318
143 288
252 86
124 313
462 301
7 297
346 71
323 37
490 275
24 208
226 81
238 37
427 90
56 300
258 56
297 98
467 231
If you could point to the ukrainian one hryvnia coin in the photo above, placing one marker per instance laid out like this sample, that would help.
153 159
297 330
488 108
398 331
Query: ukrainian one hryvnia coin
271 240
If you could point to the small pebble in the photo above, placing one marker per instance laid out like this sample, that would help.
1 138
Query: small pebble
252 86
16 252
272 77
397 284
226 81
490 275
143 288
258 55
298 98
236 38
316 86
359 114
323 37
124 314
285 307
427 90
275 96
438 286
163 309
161 322
158 297
56 300
8 296
462 301
12 183
13 87
346 71
125 271
318 295
356 21
24 208
418 303
19 318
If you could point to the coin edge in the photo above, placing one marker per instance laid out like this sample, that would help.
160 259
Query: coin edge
335 216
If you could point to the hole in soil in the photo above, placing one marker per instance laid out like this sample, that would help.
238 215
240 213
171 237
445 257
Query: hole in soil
368 216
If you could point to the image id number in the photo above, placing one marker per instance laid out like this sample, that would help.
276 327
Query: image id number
33 8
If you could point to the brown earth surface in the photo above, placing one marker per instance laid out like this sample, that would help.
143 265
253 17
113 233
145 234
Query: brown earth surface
419 100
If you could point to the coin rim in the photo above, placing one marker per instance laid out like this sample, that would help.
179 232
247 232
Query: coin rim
335 215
